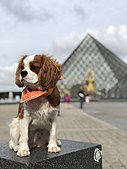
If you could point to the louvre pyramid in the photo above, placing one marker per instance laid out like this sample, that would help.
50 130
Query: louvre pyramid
107 67
119 90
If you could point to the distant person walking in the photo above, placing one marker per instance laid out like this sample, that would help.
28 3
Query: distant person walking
81 95
67 100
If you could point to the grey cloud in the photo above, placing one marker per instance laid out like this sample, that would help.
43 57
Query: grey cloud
115 38
63 48
80 12
7 78
23 10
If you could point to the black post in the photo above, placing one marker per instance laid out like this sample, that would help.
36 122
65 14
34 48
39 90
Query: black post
74 155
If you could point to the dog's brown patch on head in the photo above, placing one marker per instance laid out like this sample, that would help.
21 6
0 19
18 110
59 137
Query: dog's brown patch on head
36 64
48 70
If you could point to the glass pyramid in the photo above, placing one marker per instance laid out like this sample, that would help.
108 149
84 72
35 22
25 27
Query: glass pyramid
110 72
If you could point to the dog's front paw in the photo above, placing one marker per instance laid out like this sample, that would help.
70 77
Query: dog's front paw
53 149
23 152
13 146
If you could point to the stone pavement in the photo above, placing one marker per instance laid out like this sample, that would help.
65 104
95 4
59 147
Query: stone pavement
74 124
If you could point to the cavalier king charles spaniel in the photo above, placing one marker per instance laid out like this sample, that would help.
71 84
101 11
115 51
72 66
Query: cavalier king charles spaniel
35 124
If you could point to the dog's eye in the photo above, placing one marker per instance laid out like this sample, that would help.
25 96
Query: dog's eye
35 68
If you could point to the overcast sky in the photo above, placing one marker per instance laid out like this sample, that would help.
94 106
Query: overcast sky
56 27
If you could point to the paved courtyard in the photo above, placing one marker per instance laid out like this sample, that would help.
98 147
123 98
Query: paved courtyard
75 124
114 113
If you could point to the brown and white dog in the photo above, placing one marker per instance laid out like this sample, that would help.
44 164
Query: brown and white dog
35 124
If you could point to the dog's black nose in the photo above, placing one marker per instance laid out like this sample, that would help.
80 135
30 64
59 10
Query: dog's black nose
24 73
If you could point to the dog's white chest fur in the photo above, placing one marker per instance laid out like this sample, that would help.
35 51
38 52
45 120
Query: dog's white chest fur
41 112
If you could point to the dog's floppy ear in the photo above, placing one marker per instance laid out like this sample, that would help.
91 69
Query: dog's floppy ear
50 72
18 72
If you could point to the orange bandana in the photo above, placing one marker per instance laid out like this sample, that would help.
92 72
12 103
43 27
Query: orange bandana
30 95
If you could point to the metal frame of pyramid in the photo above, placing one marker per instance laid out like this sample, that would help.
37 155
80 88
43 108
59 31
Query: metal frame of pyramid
108 70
